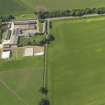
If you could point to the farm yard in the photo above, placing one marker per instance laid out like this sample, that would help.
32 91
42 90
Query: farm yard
18 35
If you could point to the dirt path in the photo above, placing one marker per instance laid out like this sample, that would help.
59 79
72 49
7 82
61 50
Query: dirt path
45 71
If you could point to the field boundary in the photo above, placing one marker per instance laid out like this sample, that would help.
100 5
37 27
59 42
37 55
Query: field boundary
75 17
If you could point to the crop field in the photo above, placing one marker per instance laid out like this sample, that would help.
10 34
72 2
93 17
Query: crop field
64 4
77 62
11 6
29 6
20 81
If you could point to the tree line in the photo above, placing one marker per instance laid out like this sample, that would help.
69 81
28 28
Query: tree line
73 12
6 18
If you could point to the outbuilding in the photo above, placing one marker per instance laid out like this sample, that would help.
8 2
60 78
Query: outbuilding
5 54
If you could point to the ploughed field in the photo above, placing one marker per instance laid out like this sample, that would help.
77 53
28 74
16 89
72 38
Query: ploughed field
77 62
29 6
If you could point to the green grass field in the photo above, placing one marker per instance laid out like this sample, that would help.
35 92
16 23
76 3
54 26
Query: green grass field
77 62
20 81
18 7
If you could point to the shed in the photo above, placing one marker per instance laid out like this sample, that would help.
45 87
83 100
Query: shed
5 54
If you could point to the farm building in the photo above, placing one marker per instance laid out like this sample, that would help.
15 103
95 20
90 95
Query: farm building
5 54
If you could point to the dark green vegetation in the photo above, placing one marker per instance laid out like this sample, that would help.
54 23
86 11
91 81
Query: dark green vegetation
34 40
44 102
6 18
29 6
73 12
77 62
20 81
